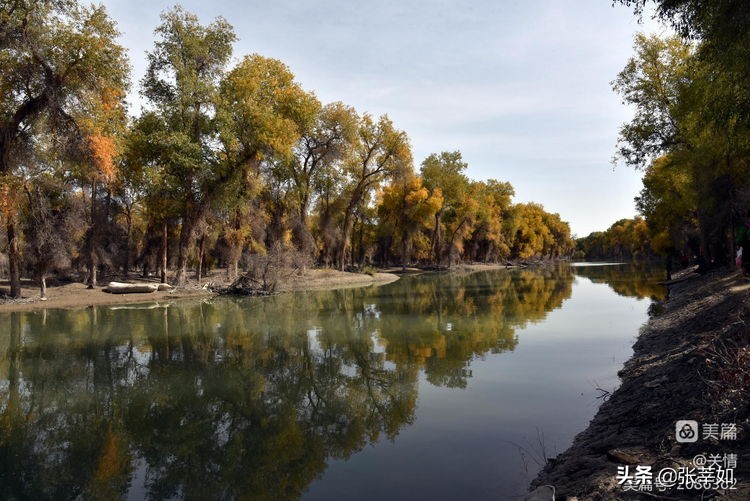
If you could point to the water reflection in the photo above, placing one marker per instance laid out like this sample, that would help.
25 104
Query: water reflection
241 398
639 280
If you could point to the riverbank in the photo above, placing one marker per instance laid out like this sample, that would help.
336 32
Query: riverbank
691 362
76 295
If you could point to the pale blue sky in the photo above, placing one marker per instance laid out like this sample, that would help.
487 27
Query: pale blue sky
522 88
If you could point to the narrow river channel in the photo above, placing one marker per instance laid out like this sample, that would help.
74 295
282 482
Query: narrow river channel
438 386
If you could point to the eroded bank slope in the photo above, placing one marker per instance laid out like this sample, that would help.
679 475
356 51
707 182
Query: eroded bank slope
691 362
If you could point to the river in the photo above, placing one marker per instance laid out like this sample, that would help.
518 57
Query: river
438 386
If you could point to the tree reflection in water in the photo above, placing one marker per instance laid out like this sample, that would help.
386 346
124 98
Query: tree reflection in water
636 279
246 398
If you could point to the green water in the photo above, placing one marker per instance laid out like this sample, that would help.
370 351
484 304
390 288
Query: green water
433 387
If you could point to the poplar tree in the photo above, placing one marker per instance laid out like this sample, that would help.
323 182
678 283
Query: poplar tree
56 57
182 86
380 152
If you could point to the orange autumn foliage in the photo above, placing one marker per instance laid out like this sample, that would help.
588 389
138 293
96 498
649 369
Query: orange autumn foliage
111 469
103 152
111 98
10 194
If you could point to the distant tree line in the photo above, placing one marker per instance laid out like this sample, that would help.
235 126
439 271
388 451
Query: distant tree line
625 239
225 165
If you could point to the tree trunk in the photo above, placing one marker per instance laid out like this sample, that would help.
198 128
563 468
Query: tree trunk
14 260
92 271
191 217
361 250
348 226
404 235
404 244
200 258
343 247
436 243
704 253
92 239
164 241
303 211
43 285
107 219
128 241
453 238
236 245
182 253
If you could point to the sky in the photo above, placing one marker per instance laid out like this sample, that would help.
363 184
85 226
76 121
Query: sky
521 88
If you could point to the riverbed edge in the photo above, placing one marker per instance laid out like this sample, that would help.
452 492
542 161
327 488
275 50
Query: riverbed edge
76 295
678 357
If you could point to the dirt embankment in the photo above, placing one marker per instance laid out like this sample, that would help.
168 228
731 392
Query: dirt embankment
690 362
76 295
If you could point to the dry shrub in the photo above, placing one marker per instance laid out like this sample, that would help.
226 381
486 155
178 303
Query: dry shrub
265 271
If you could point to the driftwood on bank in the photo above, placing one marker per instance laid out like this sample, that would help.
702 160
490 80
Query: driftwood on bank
140 288
682 275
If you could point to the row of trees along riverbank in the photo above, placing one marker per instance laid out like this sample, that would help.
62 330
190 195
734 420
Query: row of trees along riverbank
225 164
625 239
690 134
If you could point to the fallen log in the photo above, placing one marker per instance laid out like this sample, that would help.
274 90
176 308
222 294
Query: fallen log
123 288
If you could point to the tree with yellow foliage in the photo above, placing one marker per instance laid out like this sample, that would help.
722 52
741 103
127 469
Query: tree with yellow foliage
488 241
380 152
405 209
445 172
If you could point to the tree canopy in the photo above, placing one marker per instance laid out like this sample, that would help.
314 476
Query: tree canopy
64 78
231 163
690 134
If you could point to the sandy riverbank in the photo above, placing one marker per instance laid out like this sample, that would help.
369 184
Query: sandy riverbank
76 295
471 267
691 362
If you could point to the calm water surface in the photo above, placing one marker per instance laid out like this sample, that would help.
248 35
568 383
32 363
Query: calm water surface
433 387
